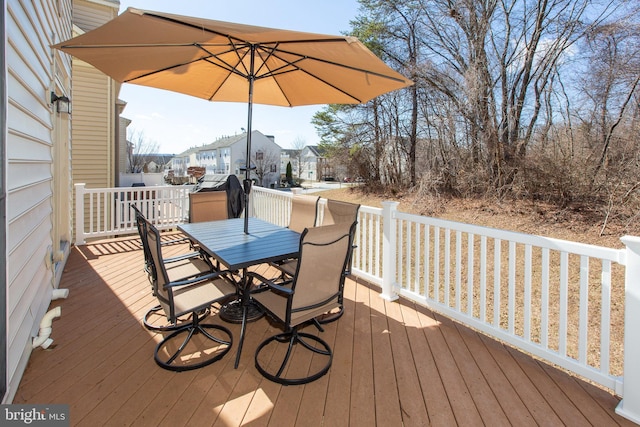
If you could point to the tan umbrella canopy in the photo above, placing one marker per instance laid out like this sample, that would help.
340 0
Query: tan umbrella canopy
223 61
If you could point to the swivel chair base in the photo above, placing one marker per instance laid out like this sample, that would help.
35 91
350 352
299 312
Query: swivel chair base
178 356
155 320
294 338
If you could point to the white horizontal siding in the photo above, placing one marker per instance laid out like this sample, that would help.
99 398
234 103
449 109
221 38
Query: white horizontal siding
32 27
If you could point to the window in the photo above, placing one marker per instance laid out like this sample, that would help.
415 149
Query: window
259 155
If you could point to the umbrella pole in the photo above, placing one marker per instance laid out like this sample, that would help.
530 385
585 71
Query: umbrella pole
247 179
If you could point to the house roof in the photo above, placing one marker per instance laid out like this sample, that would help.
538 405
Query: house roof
316 150
223 142
227 141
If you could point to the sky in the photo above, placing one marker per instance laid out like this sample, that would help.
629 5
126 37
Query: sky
177 122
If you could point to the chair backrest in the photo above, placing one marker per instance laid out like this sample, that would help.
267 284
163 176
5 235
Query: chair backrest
165 297
141 224
338 212
304 211
208 206
319 278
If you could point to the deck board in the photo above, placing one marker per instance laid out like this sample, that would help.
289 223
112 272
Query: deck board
394 363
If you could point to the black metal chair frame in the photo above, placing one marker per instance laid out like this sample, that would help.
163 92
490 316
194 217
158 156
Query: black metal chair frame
142 225
292 335
223 291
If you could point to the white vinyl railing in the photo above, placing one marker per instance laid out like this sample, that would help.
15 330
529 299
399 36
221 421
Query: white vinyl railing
552 298
105 212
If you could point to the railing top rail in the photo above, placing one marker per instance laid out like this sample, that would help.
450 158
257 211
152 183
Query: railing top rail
614 255
136 189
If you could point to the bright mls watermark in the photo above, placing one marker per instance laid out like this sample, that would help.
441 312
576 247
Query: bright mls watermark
35 415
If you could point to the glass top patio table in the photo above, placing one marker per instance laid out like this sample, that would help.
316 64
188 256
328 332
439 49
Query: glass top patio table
226 241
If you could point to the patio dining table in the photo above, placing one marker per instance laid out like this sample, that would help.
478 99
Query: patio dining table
226 242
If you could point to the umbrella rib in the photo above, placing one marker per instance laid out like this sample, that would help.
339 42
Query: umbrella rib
336 64
222 64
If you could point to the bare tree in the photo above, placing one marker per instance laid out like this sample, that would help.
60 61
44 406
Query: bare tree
612 86
139 150
266 163
296 154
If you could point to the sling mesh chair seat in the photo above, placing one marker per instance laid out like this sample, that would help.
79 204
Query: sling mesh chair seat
313 290
178 268
195 344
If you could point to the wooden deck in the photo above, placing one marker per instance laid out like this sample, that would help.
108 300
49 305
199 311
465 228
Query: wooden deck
395 364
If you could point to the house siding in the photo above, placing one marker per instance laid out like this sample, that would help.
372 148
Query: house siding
88 14
31 28
91 134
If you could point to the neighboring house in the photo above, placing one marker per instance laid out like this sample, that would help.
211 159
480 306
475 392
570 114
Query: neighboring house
181 162
155 163
293 157
227 156
35 182
315 165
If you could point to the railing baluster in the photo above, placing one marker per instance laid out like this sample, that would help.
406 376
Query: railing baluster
436 264
527 292
564 302
544 321
483 278
458 293
583 323
497 256
427 263
512 288
470 273
605 317
447 266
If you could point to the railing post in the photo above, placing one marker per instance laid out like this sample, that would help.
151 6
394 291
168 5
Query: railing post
79 214
629 406
388 250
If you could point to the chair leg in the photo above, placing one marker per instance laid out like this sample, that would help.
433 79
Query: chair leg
169 355
292 338
155 320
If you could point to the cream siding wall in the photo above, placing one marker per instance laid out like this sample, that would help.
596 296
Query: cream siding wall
31 28
92 127
89 14
95 121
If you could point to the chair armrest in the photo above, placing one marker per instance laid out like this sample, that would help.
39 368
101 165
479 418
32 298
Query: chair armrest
270 283
197 279
182 257
179 240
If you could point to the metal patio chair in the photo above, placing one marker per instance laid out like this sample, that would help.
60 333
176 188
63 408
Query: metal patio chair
178 267
314 289
193 344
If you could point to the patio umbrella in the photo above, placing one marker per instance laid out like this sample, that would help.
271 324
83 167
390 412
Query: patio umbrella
223 61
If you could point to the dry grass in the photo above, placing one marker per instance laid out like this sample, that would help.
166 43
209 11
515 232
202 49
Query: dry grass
520 216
